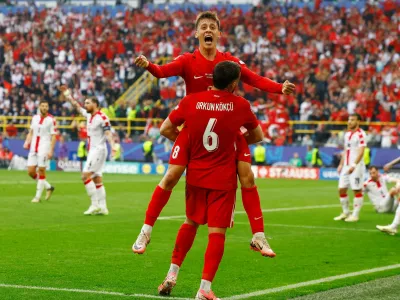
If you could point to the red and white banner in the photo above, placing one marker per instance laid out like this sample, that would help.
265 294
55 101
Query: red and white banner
285 172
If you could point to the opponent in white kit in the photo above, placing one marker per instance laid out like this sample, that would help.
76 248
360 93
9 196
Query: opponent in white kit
99 130
383 200
351 169
41 140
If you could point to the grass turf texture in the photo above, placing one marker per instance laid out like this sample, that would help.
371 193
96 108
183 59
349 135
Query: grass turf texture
52 244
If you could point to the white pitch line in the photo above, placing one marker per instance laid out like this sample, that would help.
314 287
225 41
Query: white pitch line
312 227
43 288
312 282
240 212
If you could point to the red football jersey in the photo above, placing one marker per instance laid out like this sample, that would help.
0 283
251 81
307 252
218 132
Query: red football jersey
213 119
197 72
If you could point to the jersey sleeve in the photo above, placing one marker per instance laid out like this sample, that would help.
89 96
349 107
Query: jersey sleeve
53 126
174 68
83 112
362 139
177 116
257 81
105 122
250 119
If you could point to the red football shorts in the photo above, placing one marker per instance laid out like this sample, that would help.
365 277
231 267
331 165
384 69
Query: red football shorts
242 149
212 207
181 149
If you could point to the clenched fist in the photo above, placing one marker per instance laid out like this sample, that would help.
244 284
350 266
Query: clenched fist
142 61
288 88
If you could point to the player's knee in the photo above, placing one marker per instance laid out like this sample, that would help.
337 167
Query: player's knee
42 171
169 180
247 179
85 176
342 192
192 223
216 230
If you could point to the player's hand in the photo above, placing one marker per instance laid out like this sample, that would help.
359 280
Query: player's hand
65 91
339 169
26 146
142 61
387 167
351 169
50 155
288 88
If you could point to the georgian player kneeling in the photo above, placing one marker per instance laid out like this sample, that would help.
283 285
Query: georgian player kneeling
99 130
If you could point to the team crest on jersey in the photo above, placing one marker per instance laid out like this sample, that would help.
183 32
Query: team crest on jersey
241 62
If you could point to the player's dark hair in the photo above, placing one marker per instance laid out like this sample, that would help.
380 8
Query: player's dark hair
225 73
43 101
373 167
208 15
357 116
95 100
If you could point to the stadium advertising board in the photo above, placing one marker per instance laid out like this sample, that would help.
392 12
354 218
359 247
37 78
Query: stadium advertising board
289 173
328 174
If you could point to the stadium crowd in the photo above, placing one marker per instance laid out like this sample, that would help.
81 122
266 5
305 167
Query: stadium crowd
341 60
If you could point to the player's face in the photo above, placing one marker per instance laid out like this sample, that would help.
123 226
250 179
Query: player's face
44 108
352 123
89 105
374 174
208 33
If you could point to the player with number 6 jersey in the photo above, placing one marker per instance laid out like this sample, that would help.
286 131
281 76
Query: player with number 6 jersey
351 169
212 120
197 70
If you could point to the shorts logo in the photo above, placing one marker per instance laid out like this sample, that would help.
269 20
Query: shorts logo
247 154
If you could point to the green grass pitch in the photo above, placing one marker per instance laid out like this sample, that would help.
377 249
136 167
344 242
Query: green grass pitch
52 244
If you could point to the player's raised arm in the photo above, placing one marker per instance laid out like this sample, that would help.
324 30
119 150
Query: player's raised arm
389 165
174 68
266 84
67 94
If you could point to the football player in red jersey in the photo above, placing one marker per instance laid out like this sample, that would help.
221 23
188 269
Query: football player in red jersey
196 69
212 120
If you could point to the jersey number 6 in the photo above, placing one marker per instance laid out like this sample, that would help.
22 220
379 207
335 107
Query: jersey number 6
210 135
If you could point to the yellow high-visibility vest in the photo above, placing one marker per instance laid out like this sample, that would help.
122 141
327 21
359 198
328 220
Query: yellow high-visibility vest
81 149
259 154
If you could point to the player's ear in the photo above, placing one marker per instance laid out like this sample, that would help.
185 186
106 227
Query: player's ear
196 34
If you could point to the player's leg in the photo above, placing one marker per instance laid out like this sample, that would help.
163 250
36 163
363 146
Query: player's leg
42 164
101 194
220 213
32 167
184 241
356 183
90 186
251 199
343 197
196 213
177 164
392 228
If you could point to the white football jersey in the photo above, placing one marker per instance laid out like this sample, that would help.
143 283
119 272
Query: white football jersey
42 129
353 140
97 125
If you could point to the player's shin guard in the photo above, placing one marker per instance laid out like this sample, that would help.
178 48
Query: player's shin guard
344 201
91 191
158 200
40 187
396 221
213 256
252 205
358 203
183 243
101 195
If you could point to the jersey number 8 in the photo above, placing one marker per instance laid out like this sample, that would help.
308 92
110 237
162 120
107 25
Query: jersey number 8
210 135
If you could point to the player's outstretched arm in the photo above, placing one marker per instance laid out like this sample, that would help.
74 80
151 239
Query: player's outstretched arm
389 165
67 94
169 130
28 139
254 136
174 68
266 84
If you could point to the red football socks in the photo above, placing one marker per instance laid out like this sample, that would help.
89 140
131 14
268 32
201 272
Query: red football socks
183 243
213 256
252 206
158 201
